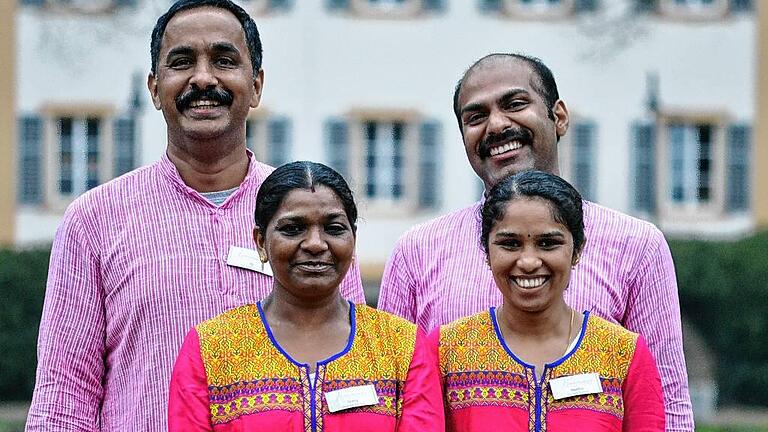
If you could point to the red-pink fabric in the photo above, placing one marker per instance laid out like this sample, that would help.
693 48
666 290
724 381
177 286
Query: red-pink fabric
135 264
438 273
422 410
642 400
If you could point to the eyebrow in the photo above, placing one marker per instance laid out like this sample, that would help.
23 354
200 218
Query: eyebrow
188 50
511 93
510 234
177 51
225 47
299 218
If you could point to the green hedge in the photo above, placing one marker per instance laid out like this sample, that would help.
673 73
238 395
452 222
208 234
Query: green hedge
724 292
22 287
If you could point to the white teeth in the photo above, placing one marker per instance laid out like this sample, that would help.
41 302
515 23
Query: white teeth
514 145
202 103
530 282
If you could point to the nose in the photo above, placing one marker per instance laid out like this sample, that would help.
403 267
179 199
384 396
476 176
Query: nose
203 76
528 262
314 243
498 122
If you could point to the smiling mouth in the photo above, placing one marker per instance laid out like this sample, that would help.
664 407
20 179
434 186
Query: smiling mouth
504 148
530 282
204 103
314 266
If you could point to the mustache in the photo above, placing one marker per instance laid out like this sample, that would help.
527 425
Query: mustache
511 134
221 96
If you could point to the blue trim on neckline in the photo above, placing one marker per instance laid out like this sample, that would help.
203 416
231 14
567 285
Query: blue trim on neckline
350 339
557 362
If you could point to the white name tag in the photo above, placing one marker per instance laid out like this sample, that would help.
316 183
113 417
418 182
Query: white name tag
351 397
247 259
575 385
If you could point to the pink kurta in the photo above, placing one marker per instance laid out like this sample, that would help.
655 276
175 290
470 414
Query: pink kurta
487 387
232 375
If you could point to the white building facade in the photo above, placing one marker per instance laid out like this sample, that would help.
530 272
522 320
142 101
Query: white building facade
661 95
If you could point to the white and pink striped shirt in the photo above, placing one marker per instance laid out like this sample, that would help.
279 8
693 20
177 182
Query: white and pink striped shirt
135 264
438 273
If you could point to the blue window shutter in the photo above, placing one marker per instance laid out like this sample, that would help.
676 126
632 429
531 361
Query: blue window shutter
585 5
644 158
737 172
30 159
583 157
429 164
645 5
280 5
279 140
433 5
124 139
337 142
125 3
32 2
488 6
741 6
336 5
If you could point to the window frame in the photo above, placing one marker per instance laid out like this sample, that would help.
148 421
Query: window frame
670 9
517 9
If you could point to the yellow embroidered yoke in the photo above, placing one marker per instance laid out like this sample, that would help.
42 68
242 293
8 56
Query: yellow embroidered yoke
249 374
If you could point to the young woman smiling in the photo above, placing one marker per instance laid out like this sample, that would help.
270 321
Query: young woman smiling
305 359
534 363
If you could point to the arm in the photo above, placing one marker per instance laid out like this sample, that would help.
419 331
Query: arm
352 286
188 403
422 396
71 346
654 312
643 400
398 290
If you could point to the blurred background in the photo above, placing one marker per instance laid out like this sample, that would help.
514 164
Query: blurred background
665 99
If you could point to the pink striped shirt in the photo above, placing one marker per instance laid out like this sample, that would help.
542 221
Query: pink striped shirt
438 273
136 263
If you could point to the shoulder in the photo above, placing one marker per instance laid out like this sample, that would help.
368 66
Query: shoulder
457 221
391 330
238 321
611 337
604 223
117 191
473 328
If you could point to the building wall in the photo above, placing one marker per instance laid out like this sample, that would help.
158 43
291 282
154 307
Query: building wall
321 65
7 122
761 119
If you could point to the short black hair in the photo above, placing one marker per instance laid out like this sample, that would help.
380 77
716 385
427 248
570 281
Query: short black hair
545 86
564 201
250 30
301 175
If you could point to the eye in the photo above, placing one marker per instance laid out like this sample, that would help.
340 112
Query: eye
508 244
225 62
549 244
474 119
336 229
290 230
180 63
515 104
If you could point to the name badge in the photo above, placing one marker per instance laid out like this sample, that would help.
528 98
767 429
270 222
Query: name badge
351 397
575 385
247 259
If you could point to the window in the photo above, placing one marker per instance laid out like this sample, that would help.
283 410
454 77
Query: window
66 151
694 9
577 157
690 168
387 8
537 9
690 164
269 139
81 6
260 7
390 158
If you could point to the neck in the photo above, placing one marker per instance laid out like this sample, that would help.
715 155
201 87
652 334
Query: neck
285 309
209 166
555 321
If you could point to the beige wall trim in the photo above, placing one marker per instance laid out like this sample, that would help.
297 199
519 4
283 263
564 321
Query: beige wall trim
7 122
371 271
760 139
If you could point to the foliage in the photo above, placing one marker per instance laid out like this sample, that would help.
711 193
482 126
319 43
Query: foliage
724 292
22 287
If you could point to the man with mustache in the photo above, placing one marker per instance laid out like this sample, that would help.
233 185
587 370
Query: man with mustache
140 260
511 118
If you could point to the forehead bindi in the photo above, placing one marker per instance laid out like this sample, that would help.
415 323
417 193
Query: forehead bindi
202 28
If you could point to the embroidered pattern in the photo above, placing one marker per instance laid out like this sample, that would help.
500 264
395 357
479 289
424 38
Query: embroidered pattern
477 370
247 374
382 361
